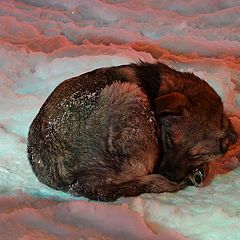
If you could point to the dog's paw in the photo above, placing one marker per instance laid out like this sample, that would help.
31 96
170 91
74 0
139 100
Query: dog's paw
232 162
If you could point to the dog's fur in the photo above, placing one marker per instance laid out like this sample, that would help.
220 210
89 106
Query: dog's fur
113 131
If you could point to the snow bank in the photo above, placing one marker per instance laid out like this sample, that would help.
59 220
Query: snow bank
25 217
44 42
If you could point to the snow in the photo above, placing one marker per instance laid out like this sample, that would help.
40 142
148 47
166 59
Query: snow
45 42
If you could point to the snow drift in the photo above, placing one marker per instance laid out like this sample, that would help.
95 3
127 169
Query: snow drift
45 42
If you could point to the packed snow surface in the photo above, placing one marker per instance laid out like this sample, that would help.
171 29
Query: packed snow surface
44 42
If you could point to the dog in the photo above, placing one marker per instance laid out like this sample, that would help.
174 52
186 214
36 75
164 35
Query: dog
126 130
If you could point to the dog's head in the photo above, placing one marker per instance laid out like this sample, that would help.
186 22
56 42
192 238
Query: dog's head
193 128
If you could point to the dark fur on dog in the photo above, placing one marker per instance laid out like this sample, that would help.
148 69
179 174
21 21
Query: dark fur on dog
110 132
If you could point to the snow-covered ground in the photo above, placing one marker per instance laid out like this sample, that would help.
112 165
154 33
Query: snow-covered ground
44 42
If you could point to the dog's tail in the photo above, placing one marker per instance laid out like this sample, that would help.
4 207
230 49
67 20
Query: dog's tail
153 183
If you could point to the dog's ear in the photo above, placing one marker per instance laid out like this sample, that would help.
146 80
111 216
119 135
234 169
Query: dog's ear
170 104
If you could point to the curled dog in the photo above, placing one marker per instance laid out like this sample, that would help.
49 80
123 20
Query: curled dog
127 130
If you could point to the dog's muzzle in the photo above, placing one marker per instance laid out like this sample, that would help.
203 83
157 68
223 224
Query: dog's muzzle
197 176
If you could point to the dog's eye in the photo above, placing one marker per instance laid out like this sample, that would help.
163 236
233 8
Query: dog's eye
195 157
